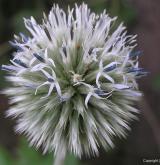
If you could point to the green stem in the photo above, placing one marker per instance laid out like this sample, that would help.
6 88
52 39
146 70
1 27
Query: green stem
59 159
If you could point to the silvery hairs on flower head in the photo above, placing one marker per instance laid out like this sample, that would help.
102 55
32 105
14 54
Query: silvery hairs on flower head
74 81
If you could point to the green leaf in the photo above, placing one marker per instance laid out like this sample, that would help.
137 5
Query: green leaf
29 156
5 157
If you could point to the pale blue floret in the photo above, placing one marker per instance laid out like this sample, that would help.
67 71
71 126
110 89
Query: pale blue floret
63 78
19 48
51 81
139 72
93 91
102 72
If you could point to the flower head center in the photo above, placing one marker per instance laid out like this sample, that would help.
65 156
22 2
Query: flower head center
76 77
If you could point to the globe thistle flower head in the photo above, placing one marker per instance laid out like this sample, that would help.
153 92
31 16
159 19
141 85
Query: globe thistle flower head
74 81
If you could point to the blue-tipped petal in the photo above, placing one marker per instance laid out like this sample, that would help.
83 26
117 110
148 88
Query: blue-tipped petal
135 54
41 59
110 68
50 80
19 62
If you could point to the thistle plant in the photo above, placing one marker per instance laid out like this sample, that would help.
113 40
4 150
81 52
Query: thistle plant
74 81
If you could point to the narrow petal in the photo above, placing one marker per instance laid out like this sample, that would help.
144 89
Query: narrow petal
97 79
32 61
58 88
110 66
87 99
45 83
52 62
46 73
108 77
120 86
50 90
37 67
101 65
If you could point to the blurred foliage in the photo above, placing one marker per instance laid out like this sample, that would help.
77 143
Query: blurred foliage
123 10
29 156
120 8
156 83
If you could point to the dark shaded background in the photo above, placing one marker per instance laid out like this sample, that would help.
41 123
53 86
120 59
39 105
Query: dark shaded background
142 17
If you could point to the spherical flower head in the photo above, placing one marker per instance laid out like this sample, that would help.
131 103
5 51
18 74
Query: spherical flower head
74 81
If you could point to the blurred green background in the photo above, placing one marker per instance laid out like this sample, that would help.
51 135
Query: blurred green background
141 17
